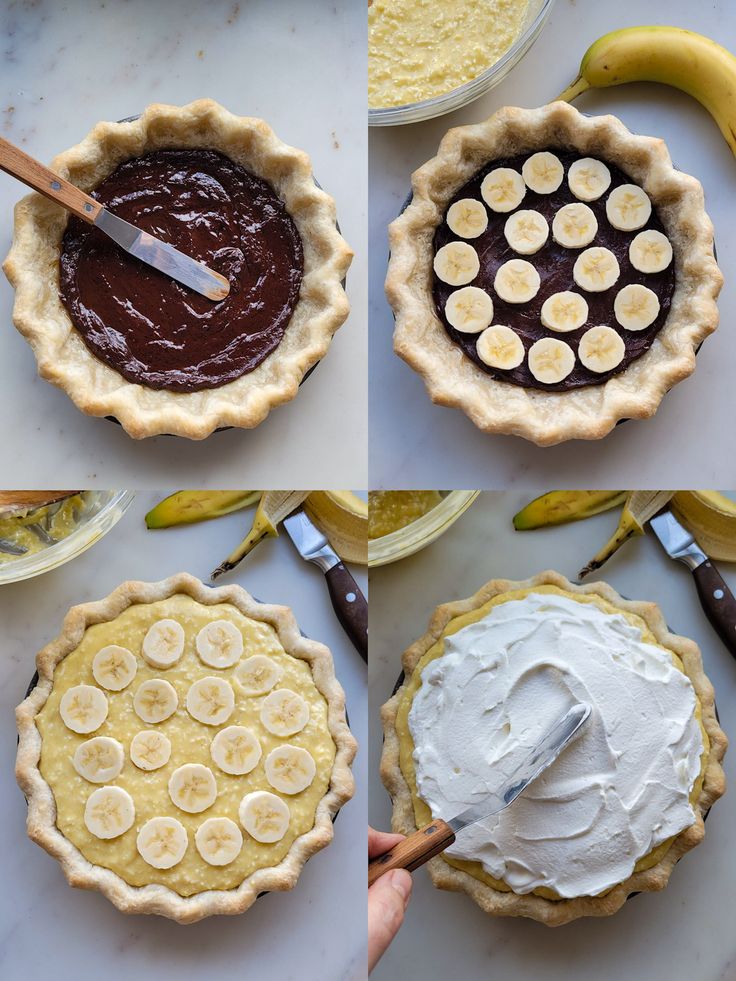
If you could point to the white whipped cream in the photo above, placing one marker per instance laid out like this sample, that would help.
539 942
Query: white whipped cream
620 789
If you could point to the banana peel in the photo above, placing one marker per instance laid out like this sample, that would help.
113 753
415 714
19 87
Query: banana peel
711 517
187 507
640 506
343 518
561 507
273 507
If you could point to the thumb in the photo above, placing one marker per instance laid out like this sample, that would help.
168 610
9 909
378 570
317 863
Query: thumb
388 898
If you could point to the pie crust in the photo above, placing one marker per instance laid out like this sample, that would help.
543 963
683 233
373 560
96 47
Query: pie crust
544 417
157 898
97 389
548 911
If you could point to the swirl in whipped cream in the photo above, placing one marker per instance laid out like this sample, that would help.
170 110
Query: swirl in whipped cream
619 790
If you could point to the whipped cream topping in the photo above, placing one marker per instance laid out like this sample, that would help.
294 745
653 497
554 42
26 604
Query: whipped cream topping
619 790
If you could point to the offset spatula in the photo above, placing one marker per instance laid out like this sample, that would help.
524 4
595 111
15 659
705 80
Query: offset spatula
143 246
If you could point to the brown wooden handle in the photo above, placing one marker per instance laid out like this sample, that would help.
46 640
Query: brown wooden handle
18 164
350 605
718 602
413 851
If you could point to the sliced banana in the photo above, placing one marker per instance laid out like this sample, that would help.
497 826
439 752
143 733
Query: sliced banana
596 269
526 231
83 708
218 841
503 189
219 644
650 251
564 311
543 172
114 667
258 674
601 349
99 759
264 816
636 307
467 218
155 701
150 749
517 281
550 360
469 309
236 750
628 207
162 842
211 701
574 226
163 645
290 769
109 812
284 712
500 347
192 787
588 179
456 263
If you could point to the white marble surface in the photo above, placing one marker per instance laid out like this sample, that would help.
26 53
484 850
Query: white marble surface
415 443
315 932
300 66
685 931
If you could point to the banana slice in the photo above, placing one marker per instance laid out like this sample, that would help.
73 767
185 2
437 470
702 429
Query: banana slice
264 816
469 309
628 207
601 349
236 750
163 645
564 311
258 674
284 712
550 360
83 708
99 760
596 269
218 841
150 750
290 769
211 701
155 701
574 226
456 263
517 281
588 179
543 172
636 307
526 231
109 812
650 251
467 218
162 842
500 347
114 667
503 189
192 788
220 644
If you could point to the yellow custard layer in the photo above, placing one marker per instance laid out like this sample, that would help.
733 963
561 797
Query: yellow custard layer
57 521
420 49
390 510
190 742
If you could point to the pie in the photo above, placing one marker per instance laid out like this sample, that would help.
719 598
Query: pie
552 274
184 749
621 805
126 341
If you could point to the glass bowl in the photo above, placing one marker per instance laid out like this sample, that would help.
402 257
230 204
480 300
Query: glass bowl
104 510
420 533
536 17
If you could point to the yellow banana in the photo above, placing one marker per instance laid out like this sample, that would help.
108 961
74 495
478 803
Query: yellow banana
559 507
343 517
187 506
711 517
640 506
272 508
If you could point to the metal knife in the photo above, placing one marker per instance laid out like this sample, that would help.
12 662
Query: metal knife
349 603
715 597
435 837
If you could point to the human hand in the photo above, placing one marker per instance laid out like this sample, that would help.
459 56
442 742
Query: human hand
388 898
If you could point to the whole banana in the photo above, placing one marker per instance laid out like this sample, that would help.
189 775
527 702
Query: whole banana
671 55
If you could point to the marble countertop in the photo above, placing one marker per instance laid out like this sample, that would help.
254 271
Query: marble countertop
434 445
315 932
685 931
302 67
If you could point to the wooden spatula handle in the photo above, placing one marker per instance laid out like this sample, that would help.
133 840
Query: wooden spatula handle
413 851
17 163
